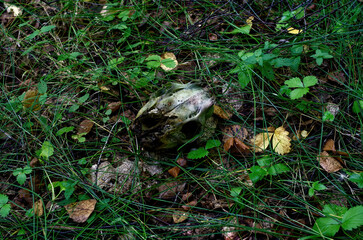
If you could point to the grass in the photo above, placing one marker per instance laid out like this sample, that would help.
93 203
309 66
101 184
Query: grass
73 66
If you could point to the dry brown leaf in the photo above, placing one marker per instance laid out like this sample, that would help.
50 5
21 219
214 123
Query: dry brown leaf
38 208
85 126
180 216
338 77
182 162
189 205
170 190
228 144
329 145
328 163
212 37
234 131
281 141
240 146
217 110
174 171
171 56
80 211
262 140
31 99
114 106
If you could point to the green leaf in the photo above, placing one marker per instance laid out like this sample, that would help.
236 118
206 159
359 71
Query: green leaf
3 199
283 62
294 83
124 15
357 106
318 186
211 143
297 49
153 64
264 161
112 64
334 210
168 62
42 87
236 191
328 116
198 153
244 78
353 218
33 35
311 192
47 28
5 210
47 150
319 61
27 170
64 130
120 26
298 93
278 169
84 98
257 173
326 226
310 81
73 108
153 58
21 178
357 178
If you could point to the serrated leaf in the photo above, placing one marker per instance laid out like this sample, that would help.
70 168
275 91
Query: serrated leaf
294 83
257 173
264 161
3 199
353 218
5 210
334 210
47 150
281 142
21 178
298 93
310 81
326 226
198 153
244 78
42 87
211 143
236 191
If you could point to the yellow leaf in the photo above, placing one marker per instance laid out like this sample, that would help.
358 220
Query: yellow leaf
249 21
262 140
170 56
293 30
281 141
180 216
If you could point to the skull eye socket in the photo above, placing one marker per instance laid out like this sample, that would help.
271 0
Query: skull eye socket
190 129
150 122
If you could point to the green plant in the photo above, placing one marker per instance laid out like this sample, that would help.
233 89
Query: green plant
316 186
356 178
203 151
46 151
67 186
4 205
337 217
20 174
266 167
286 16
300 87
357 106
320 56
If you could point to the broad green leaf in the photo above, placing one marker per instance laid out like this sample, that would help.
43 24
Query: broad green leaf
310 81
33 35
357 178
3 199
334 210
328 116
5 210
319 61
297 49
21 178
120 26
326 226
42 87
264 161
211 143
124 15
47 150
64 130
353 218
27 170
47 28
244 78
198 153
153 64
257 173
114 62
357 106
278 169
169 63
294 83
283 62
318 186
153 58
311 192
298 93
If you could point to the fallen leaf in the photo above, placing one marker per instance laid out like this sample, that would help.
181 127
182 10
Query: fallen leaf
80 211
262 140
170 190
300 135
174 171
114 106
85 126
217 110
182 162
12 8
328 163
212 37
38 208
31 99
172 58
180 216
338 77
189 205
228 144
293 30
281 141
329 145
235 131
